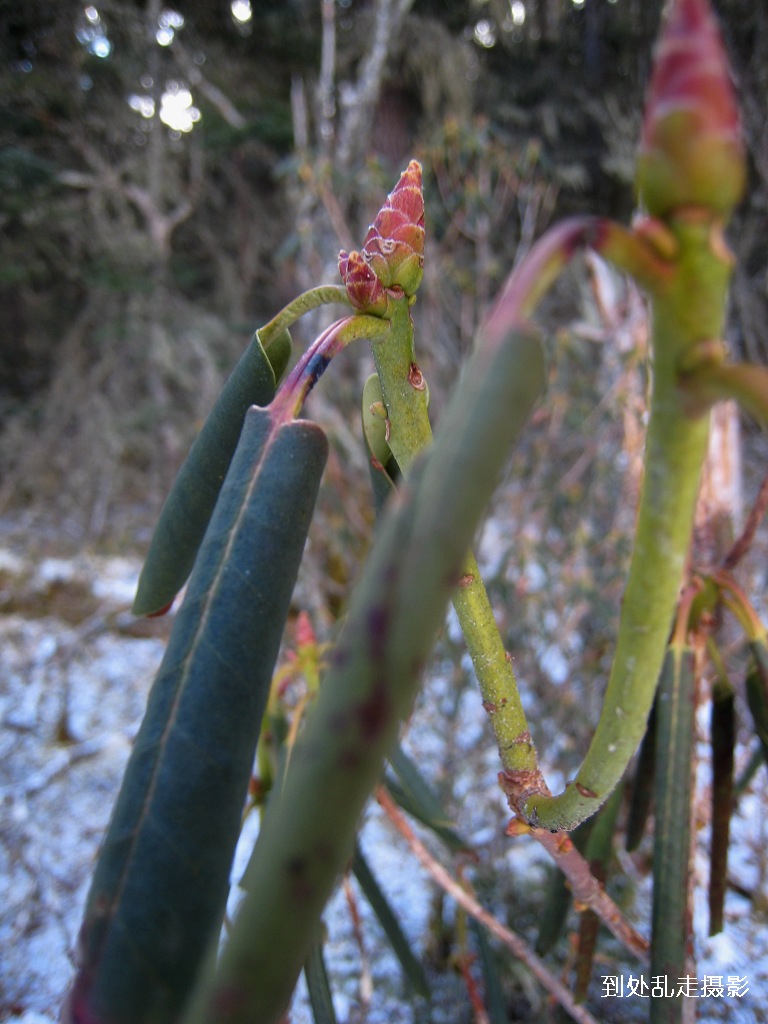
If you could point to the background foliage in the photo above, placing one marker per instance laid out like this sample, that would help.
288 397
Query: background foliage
136 257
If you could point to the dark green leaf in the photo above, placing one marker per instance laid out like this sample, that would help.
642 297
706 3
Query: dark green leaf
757 699
642 787
189 506
318 986
416 797
672 799
495 1003
556 906
307 836
412 968
160 886
723 732
753 765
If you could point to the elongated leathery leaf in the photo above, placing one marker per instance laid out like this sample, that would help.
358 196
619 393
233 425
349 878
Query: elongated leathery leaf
758 758
318 986
641 798
495 1003
674 749
189 506
308 831
723 733
412 968
417 798
161 882
757 693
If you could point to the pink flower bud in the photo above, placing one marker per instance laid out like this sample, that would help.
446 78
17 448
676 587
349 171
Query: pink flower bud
394 245
364 289
305 633
691 153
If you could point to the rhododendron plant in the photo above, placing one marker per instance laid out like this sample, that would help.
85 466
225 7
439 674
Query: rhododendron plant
238 517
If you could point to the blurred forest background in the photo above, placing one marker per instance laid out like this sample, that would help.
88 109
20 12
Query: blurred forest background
170 176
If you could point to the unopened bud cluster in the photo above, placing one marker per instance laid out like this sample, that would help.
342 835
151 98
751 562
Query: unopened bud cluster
691 153
392 258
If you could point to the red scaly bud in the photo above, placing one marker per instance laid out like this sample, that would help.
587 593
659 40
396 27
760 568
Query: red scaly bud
305 633
394 245
691 153
365 290
393 251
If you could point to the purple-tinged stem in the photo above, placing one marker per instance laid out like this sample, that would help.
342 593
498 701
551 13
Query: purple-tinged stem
643 253
288 401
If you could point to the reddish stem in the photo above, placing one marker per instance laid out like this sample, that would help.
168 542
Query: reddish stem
640 253
312 365
744 542
518 946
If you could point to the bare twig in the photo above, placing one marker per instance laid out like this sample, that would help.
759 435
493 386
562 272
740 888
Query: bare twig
299 117
148 201
518 946
326 84
588 891
218 99
59 762
756 516
366 980
362 98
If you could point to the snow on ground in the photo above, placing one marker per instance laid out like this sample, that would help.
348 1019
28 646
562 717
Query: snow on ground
71 697
75 668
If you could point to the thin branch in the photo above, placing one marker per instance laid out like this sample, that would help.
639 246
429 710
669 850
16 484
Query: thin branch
299 117
159 224
364 96
365 988
587 890
215 96
756 516
59 761
77 179
518 946
326 85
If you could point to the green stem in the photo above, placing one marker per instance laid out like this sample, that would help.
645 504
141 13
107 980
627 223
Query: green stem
498 685
409 433
745 383
403 388
645 253
323 295
687 311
